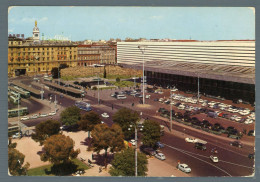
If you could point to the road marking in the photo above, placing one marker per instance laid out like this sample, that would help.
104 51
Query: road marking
236 164
208 157
180 150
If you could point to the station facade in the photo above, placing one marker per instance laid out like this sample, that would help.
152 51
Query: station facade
223 69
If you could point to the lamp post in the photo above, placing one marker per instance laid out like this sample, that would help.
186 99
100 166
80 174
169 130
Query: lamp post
98 86
135 146
142 48
19 116
198 88
171 111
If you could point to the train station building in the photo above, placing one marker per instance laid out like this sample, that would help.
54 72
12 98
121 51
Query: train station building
224 69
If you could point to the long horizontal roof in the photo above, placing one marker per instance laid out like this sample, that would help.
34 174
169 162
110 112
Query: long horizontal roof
25 87
231 73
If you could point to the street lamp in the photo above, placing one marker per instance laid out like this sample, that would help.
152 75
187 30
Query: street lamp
135 146
142 48
98 86
171 111
19 116
198 88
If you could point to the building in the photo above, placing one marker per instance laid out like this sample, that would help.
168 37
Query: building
96 54
33 56
223 68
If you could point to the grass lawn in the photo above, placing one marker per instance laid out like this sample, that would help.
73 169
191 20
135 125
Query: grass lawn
124 83
45 170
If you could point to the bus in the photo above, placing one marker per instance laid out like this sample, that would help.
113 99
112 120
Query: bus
83 105
12 130
14 100
14 112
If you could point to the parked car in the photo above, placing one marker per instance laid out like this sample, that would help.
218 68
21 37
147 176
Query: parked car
147 150
24 118
190 140
184 167
16 135
34 116
160 156
52 113
133 142
43 115
236 144
214 158
105 115
251 133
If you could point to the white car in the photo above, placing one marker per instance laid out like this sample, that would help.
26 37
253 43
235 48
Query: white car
133 142
214 158
34 116
184 167
161 100
174 90
244 112
24 118
248 121
238 118
160 156
15 136
190 140
52 113
43 115
204 104
105 115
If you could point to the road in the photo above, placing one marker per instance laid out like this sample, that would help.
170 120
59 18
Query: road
233 161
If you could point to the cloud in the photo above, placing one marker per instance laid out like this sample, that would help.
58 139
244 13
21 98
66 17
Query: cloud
156 17
30 20
10 30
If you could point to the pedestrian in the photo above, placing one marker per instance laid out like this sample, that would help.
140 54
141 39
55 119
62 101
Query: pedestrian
112 106
100 169
133 104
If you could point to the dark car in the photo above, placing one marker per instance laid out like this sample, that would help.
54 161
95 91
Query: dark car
236 144
159 144
156 100
251 156
162 109
200 146
251 133
177 104
147 150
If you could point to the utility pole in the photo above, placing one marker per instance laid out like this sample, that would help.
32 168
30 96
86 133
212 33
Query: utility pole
42 93
98 88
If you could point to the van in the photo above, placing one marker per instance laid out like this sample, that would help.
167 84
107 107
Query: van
121 97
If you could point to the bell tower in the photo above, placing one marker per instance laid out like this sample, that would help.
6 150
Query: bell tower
36 33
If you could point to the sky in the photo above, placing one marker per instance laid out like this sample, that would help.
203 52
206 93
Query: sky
103 23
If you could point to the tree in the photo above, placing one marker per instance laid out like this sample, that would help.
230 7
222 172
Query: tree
55 72
105 72
59 149
124 163
104 137
45 129
89 120
117 79
70 116
124 118
117 142
15 162
151 133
